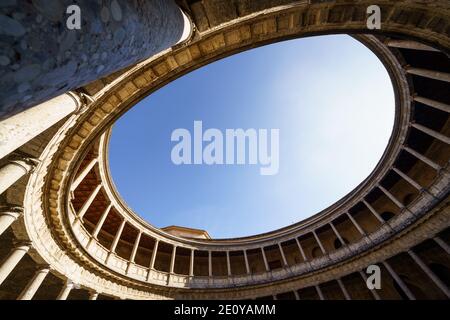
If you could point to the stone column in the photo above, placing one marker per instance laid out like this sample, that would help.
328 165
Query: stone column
266 264
22 127
302 252
116 239
399 281
319 242
83 174
172 260
65 291
283 257
93 295
152 259
344 290
14 170
228 264
432 133
33 286
374 212
88 202
442 244
431 74
408 179
209 263
430 273
422 158
191 263
391 196
13 259
111 35
134 251
319 292
155 251
9 214
247 266
136 246
338 235
433 103
408 44
356 224
101 221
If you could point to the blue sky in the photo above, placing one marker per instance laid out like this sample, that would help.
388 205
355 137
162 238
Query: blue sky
319 92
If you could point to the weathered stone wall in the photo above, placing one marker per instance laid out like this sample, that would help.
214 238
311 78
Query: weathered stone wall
41 58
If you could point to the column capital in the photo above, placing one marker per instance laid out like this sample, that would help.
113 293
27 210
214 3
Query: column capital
22 245
43 267
12 210
81 99
27 163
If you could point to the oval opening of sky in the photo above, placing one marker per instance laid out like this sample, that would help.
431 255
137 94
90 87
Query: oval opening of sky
329 98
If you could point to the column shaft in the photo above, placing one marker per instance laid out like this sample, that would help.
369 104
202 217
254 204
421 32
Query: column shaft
155 25
117 237
12 260
65 291
155 251
302 252
83 174
344 290
408 179
408 44
191 263
319 292
12 172
33 286
319 242
266 264
337 234
172 260
374 212
422 158
24 126
431 74
399 281
209 263
432 133
433 103
101 221
430 273
356 224
88 202
285 263
228 263
7 217
442 244
247 266
135 246
391 196
93 296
